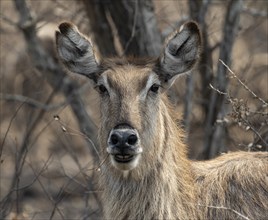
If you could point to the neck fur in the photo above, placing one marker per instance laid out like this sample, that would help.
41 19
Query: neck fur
164 192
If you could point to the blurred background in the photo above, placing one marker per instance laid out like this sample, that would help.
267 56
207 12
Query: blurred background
49 118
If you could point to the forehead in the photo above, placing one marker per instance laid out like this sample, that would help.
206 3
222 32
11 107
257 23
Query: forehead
127 74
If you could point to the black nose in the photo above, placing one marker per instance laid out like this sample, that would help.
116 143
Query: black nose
123 139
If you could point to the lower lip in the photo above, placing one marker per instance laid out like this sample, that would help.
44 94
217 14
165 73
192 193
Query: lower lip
123 159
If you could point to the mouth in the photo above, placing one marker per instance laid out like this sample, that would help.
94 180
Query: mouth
126 158
125 161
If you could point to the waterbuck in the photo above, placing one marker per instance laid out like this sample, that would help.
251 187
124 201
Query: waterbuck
147 174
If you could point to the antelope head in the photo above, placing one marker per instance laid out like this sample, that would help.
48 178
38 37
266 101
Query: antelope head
132 91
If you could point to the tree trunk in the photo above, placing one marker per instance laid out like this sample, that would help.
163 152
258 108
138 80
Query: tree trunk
216 132
102 33
197 11
135 24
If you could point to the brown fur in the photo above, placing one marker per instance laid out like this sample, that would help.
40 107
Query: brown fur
163 184
231 184
172 187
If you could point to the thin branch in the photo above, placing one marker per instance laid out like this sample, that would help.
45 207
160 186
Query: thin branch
7 20
54 73
73 132
172 27
22 152
55 207
265 104
9 126
48 195
37 175
133 31
217 90
249 126
46 64
214 47
247 123
255 12
229 209
29 101
223 207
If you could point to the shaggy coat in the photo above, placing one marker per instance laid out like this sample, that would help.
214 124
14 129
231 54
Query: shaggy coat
155 179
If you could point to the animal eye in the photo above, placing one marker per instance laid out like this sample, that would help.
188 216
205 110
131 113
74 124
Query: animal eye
102 89
154 88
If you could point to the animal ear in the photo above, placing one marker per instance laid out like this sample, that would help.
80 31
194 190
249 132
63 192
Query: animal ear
180 53
76 51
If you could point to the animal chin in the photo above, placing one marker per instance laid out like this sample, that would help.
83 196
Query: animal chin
125 162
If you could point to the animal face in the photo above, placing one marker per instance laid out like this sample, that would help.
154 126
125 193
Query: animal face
130 97
131 91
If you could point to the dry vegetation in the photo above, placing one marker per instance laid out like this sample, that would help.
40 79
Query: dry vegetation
47 167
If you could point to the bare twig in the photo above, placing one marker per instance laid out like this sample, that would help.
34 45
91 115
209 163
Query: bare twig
172 27
22 153
265 104
54 73
249 126
133 31
45 63
237 112
217 90
100 165
223 207
255 12
70 131
48 195
8 128
7 20
229 209
27 25
29 101
38 174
